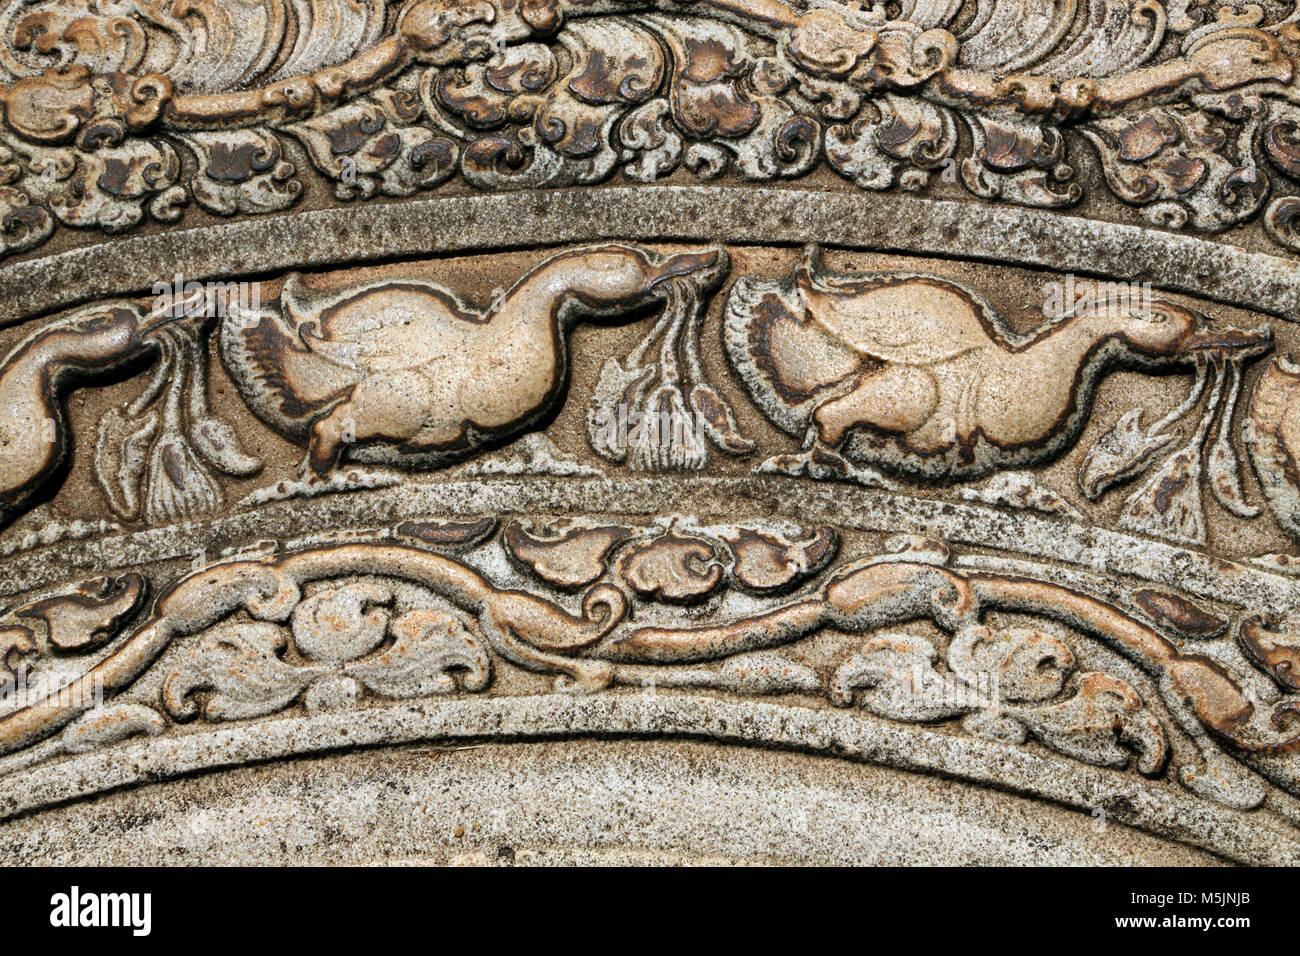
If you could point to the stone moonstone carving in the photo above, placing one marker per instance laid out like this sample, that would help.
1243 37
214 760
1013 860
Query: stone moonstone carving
809 427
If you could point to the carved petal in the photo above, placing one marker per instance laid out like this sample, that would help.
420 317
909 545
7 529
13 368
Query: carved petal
769 563
571 560
1277 653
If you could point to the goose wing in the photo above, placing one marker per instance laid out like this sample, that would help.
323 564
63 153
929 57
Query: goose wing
379 327
912 323
283 382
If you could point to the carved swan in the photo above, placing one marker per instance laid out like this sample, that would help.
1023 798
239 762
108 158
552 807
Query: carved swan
920 376
406 372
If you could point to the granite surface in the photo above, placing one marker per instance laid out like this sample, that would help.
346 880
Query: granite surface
547 432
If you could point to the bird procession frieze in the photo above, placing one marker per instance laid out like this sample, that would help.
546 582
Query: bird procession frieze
119 113
894 380
912 386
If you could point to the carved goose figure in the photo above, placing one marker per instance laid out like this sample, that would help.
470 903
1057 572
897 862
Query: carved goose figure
920 377
406 372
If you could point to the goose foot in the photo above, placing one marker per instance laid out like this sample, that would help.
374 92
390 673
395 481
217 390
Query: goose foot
310 474
824 464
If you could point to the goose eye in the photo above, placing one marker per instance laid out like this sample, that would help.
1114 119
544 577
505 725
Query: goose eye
91 324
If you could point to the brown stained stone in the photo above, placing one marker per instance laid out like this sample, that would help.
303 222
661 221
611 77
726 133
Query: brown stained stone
835 439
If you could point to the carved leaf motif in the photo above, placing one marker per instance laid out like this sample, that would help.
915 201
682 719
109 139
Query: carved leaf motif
1168 504
23 225
1223 471
241 170
1018 160
208 46
1024 665
672 568
718 421
575 122
240 665
90 614
1178 164
449 534
16 642
648 131
367 148
768 674
217 444
1282 143
1180 614
617 391
1275 652
1006 683
108 188
506 88
748 122
179 485
570 560
1121 454
894 676
616 64
668 436
708 60
105 726
242 668
1100 724
432 649
122 457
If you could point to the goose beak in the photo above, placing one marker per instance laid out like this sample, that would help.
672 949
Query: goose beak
1226 338
706 267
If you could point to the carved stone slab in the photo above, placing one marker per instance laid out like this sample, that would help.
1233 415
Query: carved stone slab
829 432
